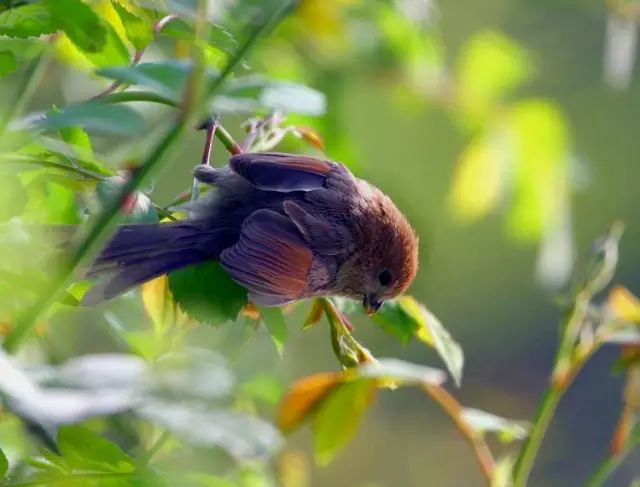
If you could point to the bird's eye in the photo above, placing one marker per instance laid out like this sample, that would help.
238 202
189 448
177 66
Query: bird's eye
384 278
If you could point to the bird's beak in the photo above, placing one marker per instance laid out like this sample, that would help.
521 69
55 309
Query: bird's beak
371 304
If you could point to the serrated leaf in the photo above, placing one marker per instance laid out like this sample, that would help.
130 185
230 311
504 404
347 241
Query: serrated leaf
167 78
507 430
139 29
207 294
394 318
84 450
275 324
31 20
79 22
113 53
4 464
339 415
431 332
8 62
95 116
303 397
401 371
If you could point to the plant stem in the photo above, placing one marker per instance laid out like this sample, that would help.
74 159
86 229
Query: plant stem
454 410
225 137
98 232
141 96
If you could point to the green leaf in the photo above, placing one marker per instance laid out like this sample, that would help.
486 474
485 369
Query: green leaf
31 20
218 36
339 415
490 65
275 324
79 139
79 22
139 30
95 116
395 319
507 430
8 62
4 464
84 450
113 53
399 370
404 315
207 294
168 78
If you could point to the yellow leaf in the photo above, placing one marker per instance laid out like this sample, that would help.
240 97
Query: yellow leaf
624 304
478 181
154 298
304 396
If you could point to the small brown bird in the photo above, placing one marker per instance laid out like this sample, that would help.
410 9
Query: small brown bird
284 226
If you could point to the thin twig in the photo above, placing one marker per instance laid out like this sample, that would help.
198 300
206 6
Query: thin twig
137 56
454 410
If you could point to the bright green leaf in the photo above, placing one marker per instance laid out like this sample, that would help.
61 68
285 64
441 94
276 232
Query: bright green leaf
401 371
395 319
541 154
79 139
95 116
506 429
31 20
275 324
339 415
431 332
4 464
490 65
139 30
84 450
113 53
8 62
79 22
207 294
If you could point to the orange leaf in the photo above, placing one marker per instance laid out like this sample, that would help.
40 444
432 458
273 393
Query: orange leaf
304 396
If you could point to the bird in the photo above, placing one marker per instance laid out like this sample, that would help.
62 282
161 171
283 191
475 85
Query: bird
284 226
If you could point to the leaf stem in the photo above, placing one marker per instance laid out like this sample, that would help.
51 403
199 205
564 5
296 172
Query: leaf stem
454 410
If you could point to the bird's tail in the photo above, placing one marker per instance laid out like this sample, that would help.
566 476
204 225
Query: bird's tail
138 253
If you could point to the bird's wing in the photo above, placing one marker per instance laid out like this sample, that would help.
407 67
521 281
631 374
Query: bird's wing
270 259
274 171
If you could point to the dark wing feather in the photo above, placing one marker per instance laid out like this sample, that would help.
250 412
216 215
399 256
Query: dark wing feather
273 171
271 259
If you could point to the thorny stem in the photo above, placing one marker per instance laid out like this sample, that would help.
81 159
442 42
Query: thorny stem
454 410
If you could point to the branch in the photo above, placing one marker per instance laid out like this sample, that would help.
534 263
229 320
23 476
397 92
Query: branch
454 410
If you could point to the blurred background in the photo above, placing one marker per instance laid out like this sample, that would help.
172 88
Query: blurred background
507 132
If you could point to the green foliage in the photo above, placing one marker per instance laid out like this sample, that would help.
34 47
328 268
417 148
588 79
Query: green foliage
207 294
31 20
4 464
8 62
79 23
84 450
275 324
95 116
